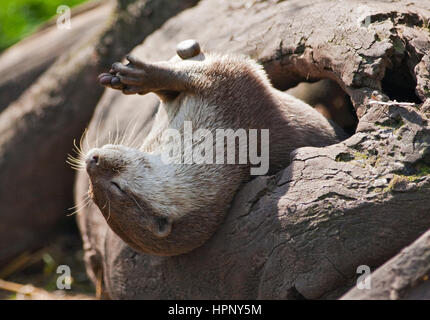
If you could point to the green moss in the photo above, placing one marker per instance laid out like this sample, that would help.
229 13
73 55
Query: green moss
399 179
19 18
374 161
360 156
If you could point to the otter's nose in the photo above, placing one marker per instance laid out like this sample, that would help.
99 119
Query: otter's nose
92 161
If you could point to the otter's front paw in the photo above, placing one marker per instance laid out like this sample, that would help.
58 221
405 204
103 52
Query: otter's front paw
136 77
132 78
110 80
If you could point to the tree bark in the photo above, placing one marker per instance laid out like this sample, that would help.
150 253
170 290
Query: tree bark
303 232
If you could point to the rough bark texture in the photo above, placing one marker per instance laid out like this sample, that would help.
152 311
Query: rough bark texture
37 130
403 277
303 232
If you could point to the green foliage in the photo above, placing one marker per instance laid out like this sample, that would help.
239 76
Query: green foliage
18 18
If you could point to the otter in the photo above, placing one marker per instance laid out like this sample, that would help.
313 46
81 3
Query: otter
173 208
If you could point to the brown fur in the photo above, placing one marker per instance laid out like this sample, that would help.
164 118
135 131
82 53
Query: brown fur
172 209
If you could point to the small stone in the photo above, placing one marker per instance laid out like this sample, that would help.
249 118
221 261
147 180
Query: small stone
188 49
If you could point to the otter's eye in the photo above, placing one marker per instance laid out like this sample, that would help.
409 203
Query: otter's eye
116 185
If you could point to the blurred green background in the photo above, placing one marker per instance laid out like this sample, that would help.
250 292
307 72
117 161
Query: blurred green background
18 18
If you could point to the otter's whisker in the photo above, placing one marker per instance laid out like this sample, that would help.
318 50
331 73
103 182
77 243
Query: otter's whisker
128 136
87 139
73 158
135 201
125 132
83 136
107 219
81 206
134 143
77 149
132 135
117 130
98 130
75 163
105 204
87 197
75 167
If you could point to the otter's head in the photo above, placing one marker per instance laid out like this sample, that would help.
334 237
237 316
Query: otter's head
136 195
121 185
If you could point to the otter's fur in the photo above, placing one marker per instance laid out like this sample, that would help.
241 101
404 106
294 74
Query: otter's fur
171 209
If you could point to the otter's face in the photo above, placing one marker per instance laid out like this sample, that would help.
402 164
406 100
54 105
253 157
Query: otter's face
121 181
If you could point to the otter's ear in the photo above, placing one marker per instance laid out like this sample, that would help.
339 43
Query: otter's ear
160 226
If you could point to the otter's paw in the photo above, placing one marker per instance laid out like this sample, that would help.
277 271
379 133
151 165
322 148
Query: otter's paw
136 77
110 80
